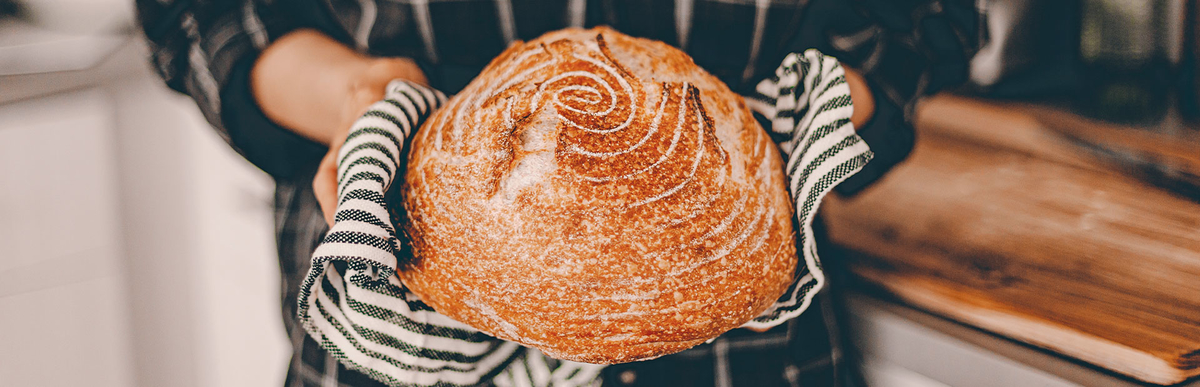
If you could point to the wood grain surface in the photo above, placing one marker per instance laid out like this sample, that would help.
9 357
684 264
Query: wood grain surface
995 223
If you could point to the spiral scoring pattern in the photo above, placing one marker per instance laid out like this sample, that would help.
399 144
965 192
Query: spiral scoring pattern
569 202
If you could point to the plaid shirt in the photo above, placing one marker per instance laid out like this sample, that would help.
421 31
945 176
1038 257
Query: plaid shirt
904 49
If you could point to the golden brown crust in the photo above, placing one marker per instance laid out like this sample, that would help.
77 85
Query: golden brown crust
599 197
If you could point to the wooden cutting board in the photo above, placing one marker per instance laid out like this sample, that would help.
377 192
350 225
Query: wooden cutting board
996 222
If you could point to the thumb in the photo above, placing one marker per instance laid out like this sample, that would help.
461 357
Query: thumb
325 185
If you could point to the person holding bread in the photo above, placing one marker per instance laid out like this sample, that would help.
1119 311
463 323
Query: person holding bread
327 96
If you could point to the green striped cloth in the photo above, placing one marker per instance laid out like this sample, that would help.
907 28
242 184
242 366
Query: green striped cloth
808 103
355 306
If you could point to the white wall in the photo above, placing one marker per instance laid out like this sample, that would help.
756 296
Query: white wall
214 209
136 249
63 305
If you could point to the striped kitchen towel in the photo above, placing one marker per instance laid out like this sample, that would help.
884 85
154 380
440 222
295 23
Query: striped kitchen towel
355 306
808 104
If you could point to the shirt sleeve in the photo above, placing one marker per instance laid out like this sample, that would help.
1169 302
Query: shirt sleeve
905 50
205 49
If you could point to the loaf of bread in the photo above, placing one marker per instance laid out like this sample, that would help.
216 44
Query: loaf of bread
598 197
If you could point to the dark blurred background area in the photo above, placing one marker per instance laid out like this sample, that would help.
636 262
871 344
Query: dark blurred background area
1129 64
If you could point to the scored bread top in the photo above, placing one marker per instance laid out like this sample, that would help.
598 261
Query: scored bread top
598 197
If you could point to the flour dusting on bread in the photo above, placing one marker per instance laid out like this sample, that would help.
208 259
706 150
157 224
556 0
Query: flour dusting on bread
599 197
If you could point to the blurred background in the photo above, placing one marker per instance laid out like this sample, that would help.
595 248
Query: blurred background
1044 232
136 248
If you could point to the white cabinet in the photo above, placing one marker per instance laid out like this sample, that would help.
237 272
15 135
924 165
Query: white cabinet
136 249
57 184
71 335
63 305
906 347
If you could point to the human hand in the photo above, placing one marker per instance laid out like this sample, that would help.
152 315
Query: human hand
368 88
317 87
860 94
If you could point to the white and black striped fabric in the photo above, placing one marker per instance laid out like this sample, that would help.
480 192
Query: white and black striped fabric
809 106
355 306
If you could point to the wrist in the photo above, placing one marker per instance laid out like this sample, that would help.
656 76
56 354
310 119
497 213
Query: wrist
315 86
368 83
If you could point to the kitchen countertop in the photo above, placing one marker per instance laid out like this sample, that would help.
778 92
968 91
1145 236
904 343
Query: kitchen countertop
35 62
999 222
29 49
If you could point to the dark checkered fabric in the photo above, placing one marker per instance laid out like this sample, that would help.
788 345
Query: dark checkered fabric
906 49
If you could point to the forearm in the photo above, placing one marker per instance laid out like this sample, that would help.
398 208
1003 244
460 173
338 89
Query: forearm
316 86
